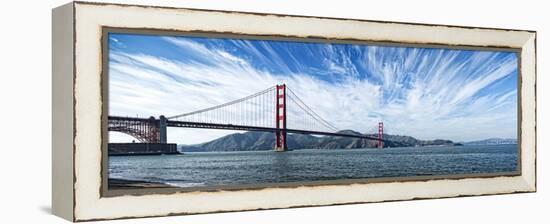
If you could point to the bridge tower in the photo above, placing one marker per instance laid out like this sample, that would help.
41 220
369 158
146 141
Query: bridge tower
380 134
162 129
280 119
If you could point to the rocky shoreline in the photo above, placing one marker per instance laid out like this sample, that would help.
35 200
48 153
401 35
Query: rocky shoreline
117 183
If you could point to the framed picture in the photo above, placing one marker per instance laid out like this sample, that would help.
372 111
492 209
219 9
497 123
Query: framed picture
161 111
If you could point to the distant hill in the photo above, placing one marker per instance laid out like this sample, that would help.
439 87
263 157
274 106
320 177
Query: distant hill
254 141
493 141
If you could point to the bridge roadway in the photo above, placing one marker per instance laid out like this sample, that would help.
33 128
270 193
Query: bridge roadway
186 124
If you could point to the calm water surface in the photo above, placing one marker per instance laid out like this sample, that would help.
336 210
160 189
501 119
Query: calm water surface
235 168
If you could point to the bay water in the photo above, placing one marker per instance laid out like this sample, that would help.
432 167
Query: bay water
197 169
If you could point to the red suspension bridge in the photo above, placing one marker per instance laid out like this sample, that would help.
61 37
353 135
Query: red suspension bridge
277 109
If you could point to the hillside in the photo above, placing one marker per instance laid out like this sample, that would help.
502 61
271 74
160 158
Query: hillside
254 141
493 141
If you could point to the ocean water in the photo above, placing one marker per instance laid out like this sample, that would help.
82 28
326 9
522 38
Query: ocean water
260 167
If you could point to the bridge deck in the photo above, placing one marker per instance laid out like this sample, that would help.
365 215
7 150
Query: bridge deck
186 124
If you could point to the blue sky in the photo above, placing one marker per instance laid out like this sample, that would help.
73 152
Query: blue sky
427 93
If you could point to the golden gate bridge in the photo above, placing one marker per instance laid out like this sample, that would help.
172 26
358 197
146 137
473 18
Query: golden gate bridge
277 109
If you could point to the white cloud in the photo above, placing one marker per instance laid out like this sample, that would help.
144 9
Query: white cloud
425 97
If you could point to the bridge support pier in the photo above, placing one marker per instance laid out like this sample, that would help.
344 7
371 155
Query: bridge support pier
280 141
380 134
162 129
280 119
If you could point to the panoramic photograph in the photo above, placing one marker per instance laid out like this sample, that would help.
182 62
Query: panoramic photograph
210 112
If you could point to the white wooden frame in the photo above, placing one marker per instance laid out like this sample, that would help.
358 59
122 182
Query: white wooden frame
77 110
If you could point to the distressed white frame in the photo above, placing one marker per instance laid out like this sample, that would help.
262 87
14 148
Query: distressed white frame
89 20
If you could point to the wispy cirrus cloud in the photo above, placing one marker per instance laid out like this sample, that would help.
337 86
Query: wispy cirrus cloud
425 93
